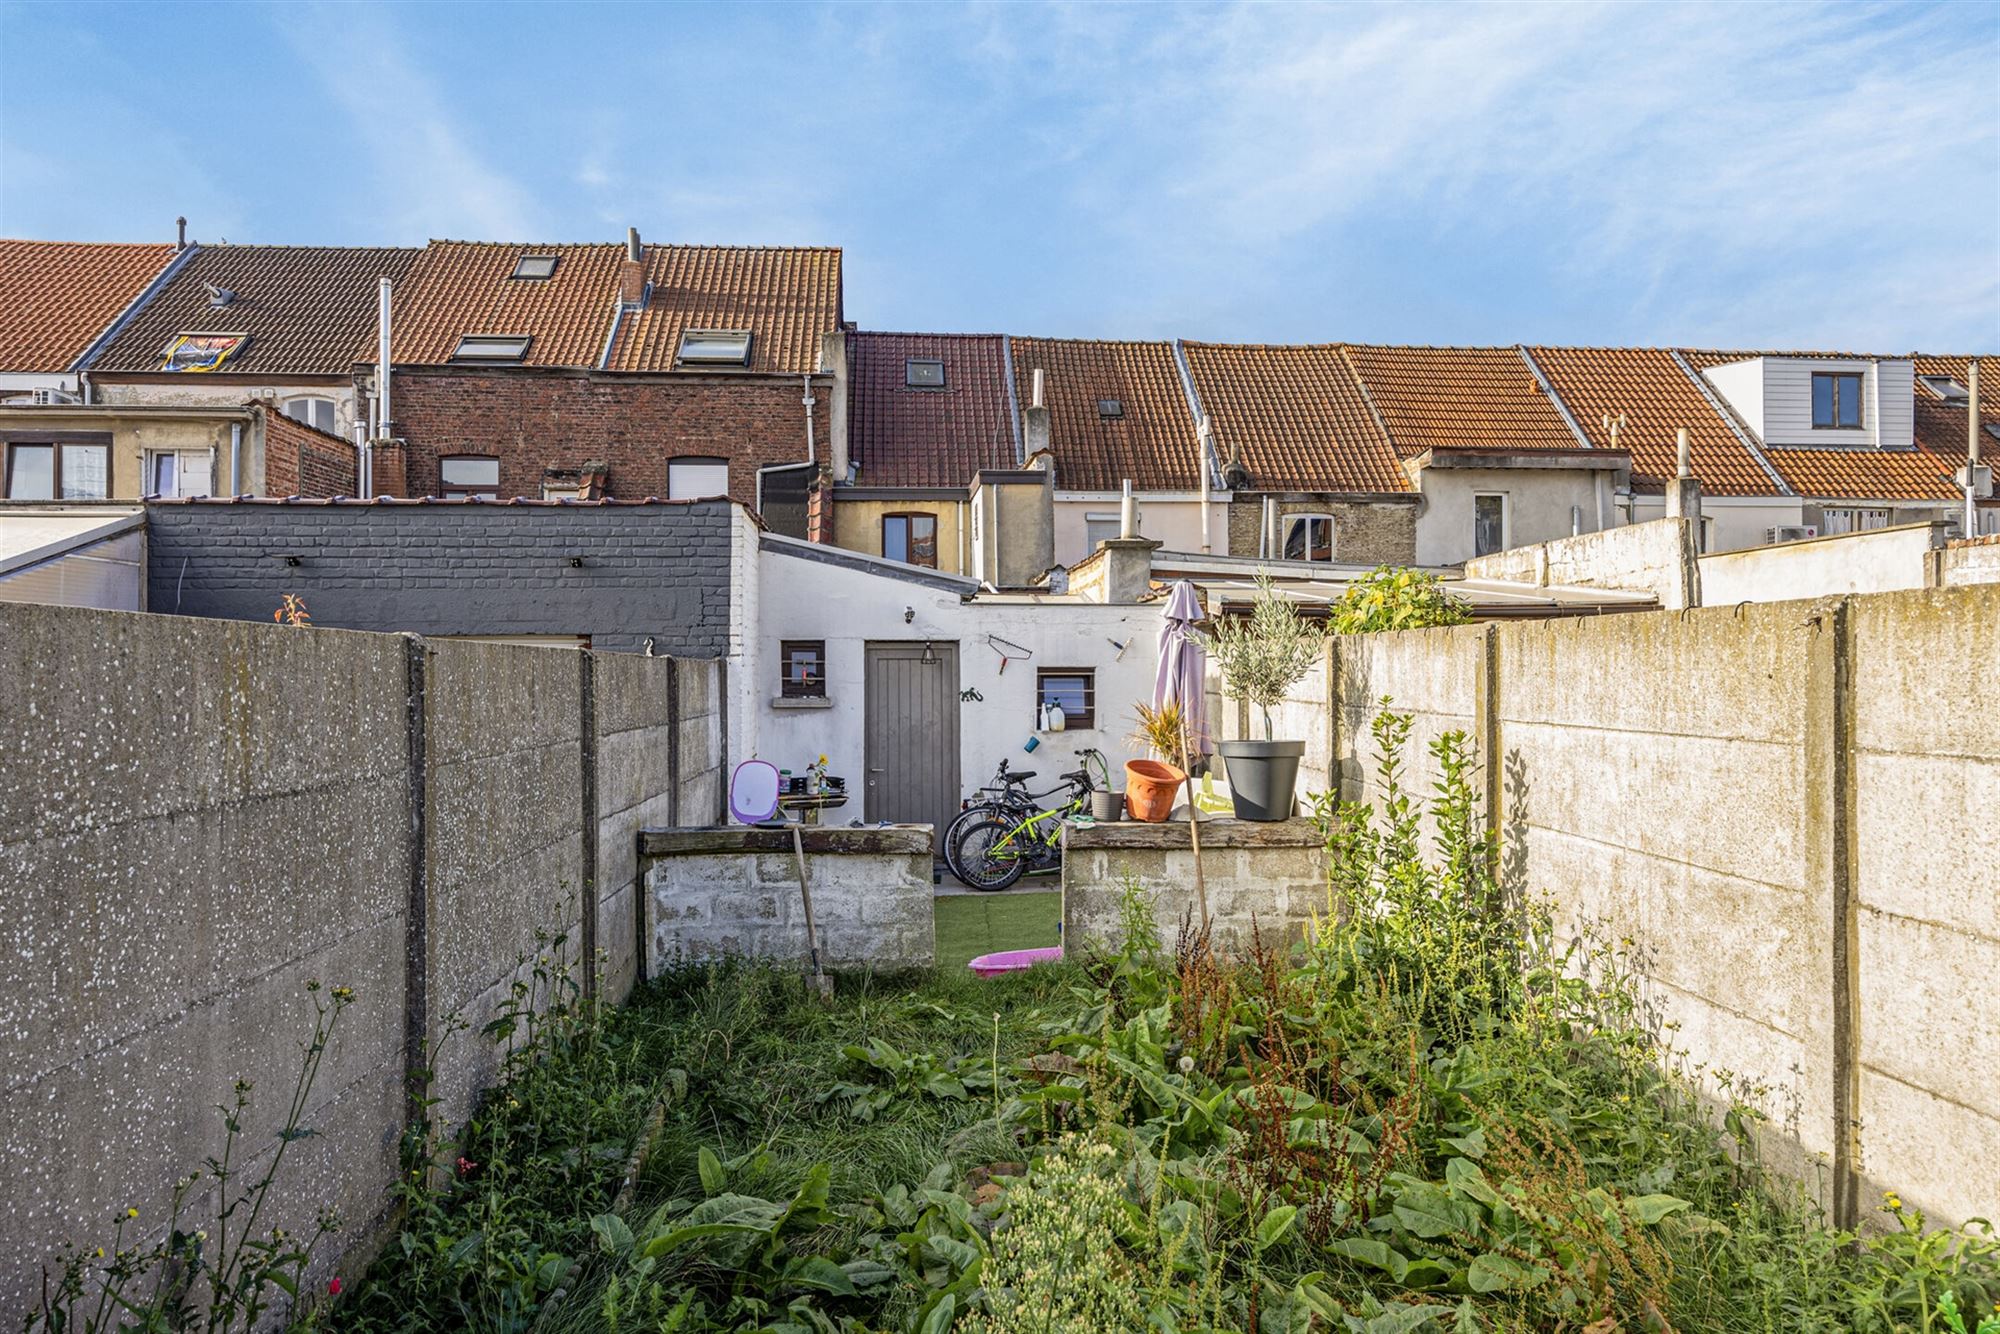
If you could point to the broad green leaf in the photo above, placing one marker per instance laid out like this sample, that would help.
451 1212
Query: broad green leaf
869 1273
1396 1318
821 1274
1275 1225
613 1234
1428 1212
1650 1209
713 1179
1500 1273
1466 1179
1372 1252
939 1320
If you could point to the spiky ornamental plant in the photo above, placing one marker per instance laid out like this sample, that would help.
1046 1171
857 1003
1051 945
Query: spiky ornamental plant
1266 654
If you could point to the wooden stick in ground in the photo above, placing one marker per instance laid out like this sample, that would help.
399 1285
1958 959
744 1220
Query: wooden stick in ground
1194 832
821 984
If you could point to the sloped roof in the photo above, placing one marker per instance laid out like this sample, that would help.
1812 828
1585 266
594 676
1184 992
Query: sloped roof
1940 426
1152 443
1656 397
906 436
788 297
306 308
1459 398
1294 417
56 297
466 287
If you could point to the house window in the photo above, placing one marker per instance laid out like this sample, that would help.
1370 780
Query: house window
535 267
1946 388
37 471
1489 524
314 411
1100 528
1110 409
469 477
180 472
492 347
1309 537
804 669
1071 689
1839 521
715 347
1836 400
697 479
910 538
923 373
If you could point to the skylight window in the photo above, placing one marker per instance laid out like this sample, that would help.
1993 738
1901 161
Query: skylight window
1110 409
923 373
491 347
535 266
715 347
1946 388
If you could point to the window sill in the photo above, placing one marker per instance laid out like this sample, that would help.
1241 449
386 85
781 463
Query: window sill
801 702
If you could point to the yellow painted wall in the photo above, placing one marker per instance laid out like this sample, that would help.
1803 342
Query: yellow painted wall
132 438
857 526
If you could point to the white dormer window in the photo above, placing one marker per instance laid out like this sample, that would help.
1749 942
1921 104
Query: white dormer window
1836 400
1945 388
715 347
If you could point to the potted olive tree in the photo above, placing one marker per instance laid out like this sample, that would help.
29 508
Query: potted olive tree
1261 657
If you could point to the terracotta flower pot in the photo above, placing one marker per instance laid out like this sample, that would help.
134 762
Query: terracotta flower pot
1149 789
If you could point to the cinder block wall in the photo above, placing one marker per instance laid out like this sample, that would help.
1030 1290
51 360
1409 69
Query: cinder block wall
1262 880
1788 809
196 817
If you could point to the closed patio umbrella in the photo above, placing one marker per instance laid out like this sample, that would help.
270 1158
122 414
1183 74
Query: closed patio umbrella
1180 679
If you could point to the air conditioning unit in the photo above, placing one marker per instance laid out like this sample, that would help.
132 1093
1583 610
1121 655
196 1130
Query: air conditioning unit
1790 533
50 398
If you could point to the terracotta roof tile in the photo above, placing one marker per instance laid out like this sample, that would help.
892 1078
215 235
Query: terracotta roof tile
787 297
306 308
1459 398
906 436
1656 397
56 297
466 287
1152 443
1940 426
1294 417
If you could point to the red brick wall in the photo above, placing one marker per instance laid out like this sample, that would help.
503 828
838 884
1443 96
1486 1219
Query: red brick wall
300 461
533 420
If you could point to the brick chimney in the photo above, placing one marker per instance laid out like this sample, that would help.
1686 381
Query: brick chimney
389 467
632 270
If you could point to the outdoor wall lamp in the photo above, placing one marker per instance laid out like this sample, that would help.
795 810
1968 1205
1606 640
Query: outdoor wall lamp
292 561
909 614
576 562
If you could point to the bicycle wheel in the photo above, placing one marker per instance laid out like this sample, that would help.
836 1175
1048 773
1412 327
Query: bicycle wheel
948 840
982 863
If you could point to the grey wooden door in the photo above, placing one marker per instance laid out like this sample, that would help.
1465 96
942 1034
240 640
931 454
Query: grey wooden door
912 733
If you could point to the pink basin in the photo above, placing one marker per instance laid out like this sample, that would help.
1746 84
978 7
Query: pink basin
1013 961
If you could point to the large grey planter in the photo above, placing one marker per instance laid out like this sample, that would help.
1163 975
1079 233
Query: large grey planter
1263 776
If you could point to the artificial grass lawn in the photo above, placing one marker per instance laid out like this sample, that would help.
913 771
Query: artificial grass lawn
969 925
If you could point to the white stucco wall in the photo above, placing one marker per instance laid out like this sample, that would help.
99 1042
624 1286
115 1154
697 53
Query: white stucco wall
801 598
1883 561
1538 507
1734 522
1170 517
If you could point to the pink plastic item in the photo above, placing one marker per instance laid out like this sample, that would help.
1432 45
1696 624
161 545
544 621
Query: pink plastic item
1014 961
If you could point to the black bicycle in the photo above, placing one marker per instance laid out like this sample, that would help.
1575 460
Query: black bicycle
1005 842
1007 792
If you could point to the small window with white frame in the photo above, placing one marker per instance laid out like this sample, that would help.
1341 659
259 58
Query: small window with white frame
1853 520
697 478
1836 400
180 472
312 409
1945 388
1489 523
492 347
469 477
1308 537
715 347
535 267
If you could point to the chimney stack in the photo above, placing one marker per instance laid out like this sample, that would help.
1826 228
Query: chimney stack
632 271
1036 431
1684 491
180 234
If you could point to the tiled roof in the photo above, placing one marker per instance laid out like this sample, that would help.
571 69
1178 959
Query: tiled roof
56 297
1459 398
1294 417
306 308
465 287
1940 426
1153 443
1656 397
787 297
905 436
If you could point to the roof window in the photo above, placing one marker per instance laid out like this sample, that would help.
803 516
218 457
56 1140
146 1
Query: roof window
923 373
715 347
1110 409
1946 388
535 266
492 347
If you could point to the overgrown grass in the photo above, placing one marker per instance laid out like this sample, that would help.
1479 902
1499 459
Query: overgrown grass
969 925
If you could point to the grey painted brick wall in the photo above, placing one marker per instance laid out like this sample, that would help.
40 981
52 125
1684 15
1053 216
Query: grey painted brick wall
658 571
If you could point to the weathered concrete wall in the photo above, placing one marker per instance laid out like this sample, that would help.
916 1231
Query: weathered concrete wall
196 817
735 891
1882 561
1266 877
1654 557
1786 807
1969 561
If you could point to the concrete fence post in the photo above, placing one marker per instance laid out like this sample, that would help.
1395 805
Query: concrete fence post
721 698
416 927
1486 725
1832 1066
1332 702
587 814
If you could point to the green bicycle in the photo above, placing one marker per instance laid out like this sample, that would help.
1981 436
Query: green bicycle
999 847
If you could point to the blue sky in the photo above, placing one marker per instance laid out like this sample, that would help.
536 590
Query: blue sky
1740 175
